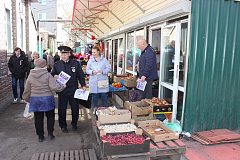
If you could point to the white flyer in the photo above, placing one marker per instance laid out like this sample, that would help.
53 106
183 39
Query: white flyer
81 94
63 78
141 84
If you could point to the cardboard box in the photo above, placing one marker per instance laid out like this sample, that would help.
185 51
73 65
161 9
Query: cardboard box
139 108
143 118
119 116
151 129
127 81
109 149
160 107
130 82
137 131
117 79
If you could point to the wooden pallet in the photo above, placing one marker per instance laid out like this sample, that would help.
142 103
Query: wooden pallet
172 148
83 154
216 136
138 156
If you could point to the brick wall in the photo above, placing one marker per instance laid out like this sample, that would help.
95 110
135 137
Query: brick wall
6 95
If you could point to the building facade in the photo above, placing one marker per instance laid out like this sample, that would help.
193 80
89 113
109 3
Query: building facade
195 49
16 28
46 10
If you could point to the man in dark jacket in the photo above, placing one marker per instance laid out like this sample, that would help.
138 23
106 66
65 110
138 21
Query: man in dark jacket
74 69
147 67
18 65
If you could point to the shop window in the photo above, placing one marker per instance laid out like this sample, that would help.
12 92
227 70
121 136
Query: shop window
133 52
183 51
22 33
9 34
120 53
156 45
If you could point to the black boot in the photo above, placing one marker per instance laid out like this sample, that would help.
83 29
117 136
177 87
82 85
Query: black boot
51 136
40 138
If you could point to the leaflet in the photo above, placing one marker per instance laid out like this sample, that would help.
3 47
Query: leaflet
81 94
141 84
63 78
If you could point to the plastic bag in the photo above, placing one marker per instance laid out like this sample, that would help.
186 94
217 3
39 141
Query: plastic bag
26 113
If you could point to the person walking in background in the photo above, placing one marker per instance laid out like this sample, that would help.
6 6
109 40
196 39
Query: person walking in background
35 56
39 93
56 57
50 61
147 67
98 69
18 66
74 69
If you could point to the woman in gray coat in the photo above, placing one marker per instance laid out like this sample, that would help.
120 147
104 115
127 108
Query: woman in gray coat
39 92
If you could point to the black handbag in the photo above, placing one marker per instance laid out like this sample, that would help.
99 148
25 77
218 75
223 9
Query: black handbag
88 103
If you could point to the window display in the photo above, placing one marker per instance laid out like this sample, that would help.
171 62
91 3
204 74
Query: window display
121 53
133 52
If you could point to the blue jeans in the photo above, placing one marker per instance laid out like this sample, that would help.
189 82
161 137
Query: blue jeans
14 86
95 97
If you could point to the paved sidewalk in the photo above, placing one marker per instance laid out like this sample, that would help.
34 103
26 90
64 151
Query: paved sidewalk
19 141
225 151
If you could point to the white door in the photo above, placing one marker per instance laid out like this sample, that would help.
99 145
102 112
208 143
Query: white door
120 56
169 70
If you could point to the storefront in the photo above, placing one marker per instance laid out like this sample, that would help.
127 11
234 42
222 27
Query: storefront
166 26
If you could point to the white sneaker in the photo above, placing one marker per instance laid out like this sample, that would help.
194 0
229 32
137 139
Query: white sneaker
22 101
15 100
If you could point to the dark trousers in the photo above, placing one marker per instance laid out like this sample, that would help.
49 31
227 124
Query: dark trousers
95 97
14 86
39 119
147 93
62 108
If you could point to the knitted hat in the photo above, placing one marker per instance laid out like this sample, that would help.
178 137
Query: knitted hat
40 63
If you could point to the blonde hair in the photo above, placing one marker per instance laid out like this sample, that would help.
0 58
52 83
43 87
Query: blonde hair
96 47
35 52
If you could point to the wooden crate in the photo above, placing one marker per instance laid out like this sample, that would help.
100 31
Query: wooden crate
83 154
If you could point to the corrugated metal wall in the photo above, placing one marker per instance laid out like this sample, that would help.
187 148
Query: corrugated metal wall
213 85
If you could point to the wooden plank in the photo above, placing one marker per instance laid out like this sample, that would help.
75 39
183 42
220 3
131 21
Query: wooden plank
86 154
170 144
61 156
152 146
66 155
76 154
51 157
35 156
71 155
180 143
41 156
46 156
92 154
81 155
161 145
57 154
